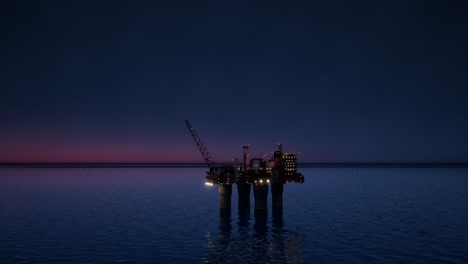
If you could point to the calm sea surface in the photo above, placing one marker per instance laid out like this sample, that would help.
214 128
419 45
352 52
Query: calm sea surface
168 215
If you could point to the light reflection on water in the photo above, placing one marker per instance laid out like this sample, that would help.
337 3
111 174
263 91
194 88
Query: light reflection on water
263 243
168 215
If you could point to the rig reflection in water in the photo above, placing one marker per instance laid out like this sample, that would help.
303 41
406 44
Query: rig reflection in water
265 243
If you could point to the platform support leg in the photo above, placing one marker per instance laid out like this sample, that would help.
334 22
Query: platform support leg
225 191
277 195
261 195
244 196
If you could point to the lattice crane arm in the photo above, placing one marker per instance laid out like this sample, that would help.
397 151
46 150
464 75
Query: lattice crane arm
206 155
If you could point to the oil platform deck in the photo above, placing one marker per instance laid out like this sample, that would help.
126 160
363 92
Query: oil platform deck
259 172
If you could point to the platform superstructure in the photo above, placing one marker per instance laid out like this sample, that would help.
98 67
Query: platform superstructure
260 172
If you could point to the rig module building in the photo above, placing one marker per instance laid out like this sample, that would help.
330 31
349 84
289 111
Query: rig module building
281 168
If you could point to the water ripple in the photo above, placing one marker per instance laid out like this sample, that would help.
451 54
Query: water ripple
169 216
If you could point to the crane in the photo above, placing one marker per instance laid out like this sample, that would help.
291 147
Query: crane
206 155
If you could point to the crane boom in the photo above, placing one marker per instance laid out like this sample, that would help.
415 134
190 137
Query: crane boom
206 155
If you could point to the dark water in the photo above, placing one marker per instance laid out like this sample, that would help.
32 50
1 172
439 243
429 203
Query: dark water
159 215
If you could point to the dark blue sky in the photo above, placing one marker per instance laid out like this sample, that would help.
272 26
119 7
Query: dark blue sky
338 81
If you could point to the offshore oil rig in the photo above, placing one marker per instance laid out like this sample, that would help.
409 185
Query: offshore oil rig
281 168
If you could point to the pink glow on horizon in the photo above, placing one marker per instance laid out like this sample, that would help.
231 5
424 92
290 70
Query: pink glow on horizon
46 148
59 152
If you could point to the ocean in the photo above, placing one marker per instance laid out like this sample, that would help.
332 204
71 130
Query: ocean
168 215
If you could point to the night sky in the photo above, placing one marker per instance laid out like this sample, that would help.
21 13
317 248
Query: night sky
338 81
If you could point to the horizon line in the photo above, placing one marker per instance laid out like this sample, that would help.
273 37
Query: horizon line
202 164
